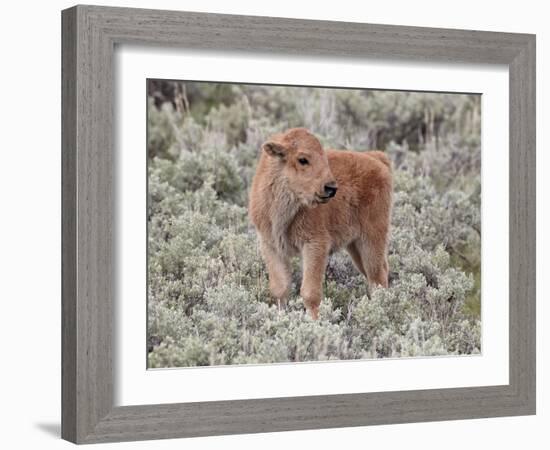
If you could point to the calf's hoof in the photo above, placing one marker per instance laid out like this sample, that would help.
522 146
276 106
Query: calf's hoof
313 311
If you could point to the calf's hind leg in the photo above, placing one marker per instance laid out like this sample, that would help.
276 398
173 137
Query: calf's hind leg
353 251
373 245
373 252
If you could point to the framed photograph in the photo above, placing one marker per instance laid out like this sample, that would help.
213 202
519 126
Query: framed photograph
279 224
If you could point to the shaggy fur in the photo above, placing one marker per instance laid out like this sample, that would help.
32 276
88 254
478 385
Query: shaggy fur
294 215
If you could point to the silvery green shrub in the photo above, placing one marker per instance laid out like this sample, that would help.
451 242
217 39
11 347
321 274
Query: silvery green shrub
208 299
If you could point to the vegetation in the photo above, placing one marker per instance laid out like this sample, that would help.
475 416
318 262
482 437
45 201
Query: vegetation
208 302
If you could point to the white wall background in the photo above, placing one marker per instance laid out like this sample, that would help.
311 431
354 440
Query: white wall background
30 236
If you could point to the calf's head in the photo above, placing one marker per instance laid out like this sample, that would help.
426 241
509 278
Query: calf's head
302 166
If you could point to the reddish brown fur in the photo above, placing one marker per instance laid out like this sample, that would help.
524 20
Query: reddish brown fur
294 217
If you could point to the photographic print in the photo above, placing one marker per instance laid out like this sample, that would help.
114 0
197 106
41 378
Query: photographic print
290 224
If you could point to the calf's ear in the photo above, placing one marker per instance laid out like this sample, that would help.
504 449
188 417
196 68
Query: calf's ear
274 149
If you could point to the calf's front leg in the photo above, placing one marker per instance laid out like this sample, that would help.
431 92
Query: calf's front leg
314 262
278 271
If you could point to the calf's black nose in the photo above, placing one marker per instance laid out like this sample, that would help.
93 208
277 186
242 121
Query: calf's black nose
330 190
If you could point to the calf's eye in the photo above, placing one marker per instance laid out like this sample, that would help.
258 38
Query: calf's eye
303 161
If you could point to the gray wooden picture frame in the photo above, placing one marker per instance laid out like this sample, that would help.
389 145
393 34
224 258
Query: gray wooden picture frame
90 34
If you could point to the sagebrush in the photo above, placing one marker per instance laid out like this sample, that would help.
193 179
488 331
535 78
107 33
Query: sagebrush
208 301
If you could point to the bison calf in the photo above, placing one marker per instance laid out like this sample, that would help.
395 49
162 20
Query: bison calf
309 201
